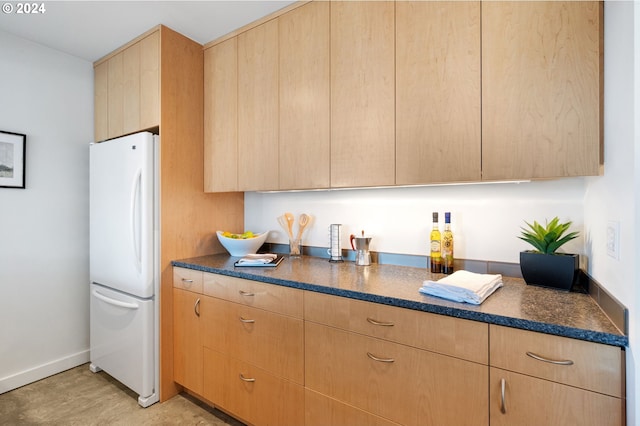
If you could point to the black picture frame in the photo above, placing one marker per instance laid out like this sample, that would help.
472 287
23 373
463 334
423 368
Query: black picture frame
13 159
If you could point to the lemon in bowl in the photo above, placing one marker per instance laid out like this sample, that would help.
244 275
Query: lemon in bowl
242 244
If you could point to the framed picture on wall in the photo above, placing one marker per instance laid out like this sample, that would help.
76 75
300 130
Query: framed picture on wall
12 159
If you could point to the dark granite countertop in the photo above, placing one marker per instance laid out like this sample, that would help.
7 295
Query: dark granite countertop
516 304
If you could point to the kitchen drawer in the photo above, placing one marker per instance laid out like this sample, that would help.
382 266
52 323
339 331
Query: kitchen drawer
250 393
532 401
438 333
579 363
265 339
275 298
320 410
400 383
187 279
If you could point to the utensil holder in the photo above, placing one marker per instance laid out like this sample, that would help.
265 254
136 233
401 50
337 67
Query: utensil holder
295 248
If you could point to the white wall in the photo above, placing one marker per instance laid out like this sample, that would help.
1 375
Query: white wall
44 229
486 219
613 197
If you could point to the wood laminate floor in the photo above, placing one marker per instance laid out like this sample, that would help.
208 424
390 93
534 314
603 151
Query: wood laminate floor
80 397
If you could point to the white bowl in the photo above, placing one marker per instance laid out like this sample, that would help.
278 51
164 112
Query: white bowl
242 247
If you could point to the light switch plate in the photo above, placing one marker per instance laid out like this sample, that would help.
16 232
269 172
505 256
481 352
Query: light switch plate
613 239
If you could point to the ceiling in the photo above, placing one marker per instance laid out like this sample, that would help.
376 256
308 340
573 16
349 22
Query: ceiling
91 29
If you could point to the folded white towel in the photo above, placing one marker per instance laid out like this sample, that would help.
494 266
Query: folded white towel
463 286
257 259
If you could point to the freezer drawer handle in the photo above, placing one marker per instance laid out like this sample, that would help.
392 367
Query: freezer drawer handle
551 361
114 301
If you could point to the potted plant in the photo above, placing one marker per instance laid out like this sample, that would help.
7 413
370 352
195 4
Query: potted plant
544 266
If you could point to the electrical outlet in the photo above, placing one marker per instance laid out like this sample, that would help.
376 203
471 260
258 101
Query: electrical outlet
613 239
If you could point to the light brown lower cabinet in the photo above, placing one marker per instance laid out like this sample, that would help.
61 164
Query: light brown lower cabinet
540 379
397 382
320 410
187 343
252 394
517 399
265 339
273 355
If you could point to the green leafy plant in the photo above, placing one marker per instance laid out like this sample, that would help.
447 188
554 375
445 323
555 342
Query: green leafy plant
547 239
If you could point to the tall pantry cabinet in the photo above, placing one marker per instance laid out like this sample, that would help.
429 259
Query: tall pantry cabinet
171 70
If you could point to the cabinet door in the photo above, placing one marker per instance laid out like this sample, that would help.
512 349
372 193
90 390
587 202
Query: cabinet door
150 81
541 89
221 117
456 337
531 401
274 298
304 97
115 95
362 94
131 89
251 393
578 363
187 345
258 108
437 92
397 382
321 410
101 102
265 339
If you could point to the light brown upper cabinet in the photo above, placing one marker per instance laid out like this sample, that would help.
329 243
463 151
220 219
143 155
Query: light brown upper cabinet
221 117
304 97
258 108
362 93
541 89
437 92
127 89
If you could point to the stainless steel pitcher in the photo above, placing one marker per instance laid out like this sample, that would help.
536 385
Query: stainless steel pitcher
361 247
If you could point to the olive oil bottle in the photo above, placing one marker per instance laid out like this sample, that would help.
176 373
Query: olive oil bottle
436 257
447 245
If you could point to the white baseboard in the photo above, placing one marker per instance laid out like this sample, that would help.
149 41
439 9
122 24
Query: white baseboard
42 371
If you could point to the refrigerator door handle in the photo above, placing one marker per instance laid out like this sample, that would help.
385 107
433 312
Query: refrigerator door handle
114 302
136 217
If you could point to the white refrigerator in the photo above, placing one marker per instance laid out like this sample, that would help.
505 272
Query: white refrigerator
124 262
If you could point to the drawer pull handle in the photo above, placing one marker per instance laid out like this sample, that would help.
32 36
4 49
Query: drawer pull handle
503 406
246 293
246 379
375 358
186 281
247 321
551 361
382 323
196 307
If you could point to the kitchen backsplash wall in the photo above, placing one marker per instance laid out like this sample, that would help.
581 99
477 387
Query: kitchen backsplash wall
485 218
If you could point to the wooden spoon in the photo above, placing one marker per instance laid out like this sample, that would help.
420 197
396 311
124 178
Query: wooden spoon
302 223
290 220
